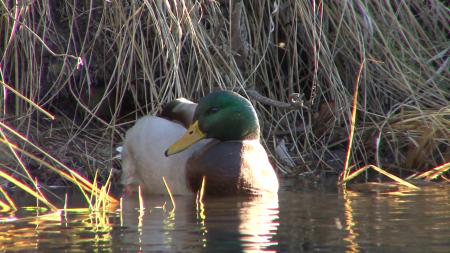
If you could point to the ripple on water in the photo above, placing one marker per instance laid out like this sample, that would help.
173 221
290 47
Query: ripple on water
294 221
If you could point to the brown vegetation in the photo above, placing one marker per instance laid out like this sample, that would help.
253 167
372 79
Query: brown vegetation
98 65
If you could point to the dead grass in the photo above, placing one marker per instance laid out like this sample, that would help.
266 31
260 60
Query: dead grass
98 65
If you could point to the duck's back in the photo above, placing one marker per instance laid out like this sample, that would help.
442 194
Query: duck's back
144 162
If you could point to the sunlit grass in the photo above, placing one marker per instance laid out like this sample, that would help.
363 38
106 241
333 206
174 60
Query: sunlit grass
28 190
346 169
170 195
10 203
381 171
434 173
100 197
371 78
200 206
201 192
5 207
100 203
72 175
346 175
141 199
39 108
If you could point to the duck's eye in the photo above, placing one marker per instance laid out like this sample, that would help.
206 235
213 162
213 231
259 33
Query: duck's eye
213 110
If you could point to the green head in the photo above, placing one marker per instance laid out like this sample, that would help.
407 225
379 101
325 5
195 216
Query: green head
226 115
223 115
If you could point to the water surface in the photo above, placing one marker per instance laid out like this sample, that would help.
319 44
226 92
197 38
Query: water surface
297 220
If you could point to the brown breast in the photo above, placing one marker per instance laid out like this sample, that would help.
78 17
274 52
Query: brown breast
227 170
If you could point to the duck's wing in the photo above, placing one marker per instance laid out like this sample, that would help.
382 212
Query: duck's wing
180 110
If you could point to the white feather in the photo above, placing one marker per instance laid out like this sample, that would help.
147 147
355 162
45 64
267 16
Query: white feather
144 162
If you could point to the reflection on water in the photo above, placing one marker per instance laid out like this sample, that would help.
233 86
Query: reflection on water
295 221
51 232
229 224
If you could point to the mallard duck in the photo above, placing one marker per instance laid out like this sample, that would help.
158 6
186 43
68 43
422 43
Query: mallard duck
221 143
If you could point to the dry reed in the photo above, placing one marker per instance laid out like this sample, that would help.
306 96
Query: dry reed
99 65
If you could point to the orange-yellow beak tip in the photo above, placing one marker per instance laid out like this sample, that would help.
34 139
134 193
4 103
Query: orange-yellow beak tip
192 136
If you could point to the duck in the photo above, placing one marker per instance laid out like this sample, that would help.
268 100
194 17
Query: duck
216 140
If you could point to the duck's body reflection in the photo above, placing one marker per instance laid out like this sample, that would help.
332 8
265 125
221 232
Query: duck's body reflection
227 224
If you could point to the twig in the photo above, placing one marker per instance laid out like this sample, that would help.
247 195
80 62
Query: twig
295 100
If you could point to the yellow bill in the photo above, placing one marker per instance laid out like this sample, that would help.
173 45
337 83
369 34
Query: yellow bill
192 135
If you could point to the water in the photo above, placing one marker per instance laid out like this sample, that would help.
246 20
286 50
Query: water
295 221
